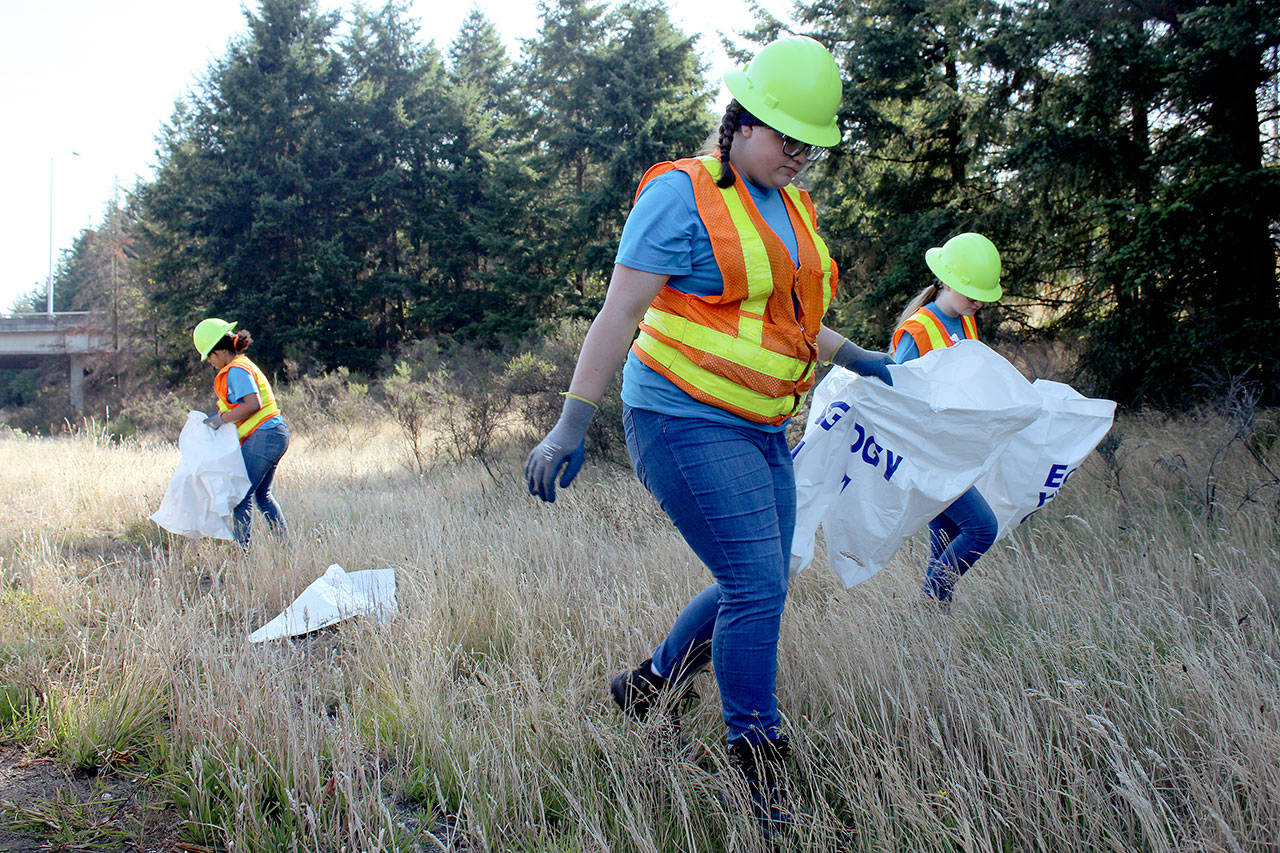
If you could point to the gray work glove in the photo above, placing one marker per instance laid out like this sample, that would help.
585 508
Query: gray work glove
563 448
847 357
214 421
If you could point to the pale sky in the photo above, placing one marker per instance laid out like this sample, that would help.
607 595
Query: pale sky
86 86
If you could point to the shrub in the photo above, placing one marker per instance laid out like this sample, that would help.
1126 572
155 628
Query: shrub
408 401
451 394
313 401
537 377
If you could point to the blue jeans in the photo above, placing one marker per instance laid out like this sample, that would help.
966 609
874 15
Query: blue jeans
957 538
731 493
262 451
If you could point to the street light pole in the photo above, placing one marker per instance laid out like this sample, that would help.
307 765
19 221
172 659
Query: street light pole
48 289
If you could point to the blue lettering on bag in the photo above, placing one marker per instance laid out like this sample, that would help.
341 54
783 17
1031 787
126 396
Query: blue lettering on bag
1058 476
891 463
864 446
871 452
830 417
833 413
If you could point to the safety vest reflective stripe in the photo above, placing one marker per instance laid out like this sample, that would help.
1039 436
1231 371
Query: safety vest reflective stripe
929 333
747 350
720 388
757 266
742 349
268 400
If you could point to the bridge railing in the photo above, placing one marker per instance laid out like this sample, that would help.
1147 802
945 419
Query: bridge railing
42 316
63 332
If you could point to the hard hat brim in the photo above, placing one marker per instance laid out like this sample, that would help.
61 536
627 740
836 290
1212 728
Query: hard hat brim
753 100
933 258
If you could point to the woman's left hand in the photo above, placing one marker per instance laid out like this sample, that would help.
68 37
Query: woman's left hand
877 367
850 356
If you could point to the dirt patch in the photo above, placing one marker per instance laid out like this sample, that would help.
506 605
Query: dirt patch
45 806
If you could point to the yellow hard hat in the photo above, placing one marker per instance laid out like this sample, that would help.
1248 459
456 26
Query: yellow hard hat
793 86
969 264
208 332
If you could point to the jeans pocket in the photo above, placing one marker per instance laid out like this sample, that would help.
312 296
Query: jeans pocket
633 444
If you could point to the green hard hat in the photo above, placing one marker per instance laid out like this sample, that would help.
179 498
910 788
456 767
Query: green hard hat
969 264
793 86
208 332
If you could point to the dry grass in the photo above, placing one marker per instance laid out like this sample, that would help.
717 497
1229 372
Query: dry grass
1108 680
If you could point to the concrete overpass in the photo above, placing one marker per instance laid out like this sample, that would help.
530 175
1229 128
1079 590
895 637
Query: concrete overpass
27 340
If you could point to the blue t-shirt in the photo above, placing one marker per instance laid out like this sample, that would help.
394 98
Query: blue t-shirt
664 235
240 384
953 326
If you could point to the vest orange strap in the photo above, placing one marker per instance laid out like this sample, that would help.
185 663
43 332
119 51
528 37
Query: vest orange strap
928 332
266 398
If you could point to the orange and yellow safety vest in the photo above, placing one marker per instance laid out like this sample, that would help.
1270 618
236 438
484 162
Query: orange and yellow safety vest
929 333
749 350
265 397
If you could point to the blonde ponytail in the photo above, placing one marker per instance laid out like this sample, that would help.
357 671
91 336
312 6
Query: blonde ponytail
923 298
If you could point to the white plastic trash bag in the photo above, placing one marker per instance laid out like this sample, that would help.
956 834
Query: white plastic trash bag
877 462
1042 456
208 484
334 596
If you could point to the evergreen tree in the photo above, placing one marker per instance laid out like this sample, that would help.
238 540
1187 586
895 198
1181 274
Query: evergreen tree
247 208
559 76
99 274
181 273
914 170
657 109
1140 162
397 101
1111 149
489 285
608 95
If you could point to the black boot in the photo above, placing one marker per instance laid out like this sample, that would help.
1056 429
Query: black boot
764 766
638 690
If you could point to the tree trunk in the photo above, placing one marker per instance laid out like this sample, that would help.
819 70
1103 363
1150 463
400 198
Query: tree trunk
1248 253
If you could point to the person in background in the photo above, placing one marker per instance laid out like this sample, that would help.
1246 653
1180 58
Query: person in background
246 400
721 268
967 268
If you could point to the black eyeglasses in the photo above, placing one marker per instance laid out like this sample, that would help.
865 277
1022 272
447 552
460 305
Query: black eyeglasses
796 148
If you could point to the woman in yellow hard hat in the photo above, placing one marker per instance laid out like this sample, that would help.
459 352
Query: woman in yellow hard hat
246 400
722 270
967 268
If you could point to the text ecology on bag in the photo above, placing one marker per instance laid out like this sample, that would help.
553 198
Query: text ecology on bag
863 446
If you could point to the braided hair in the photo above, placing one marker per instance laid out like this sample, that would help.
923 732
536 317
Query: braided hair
728 126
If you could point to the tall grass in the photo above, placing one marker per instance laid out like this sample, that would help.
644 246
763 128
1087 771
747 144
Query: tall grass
1109 678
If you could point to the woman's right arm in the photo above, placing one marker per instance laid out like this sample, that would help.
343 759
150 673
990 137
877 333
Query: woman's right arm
560 454
629 295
